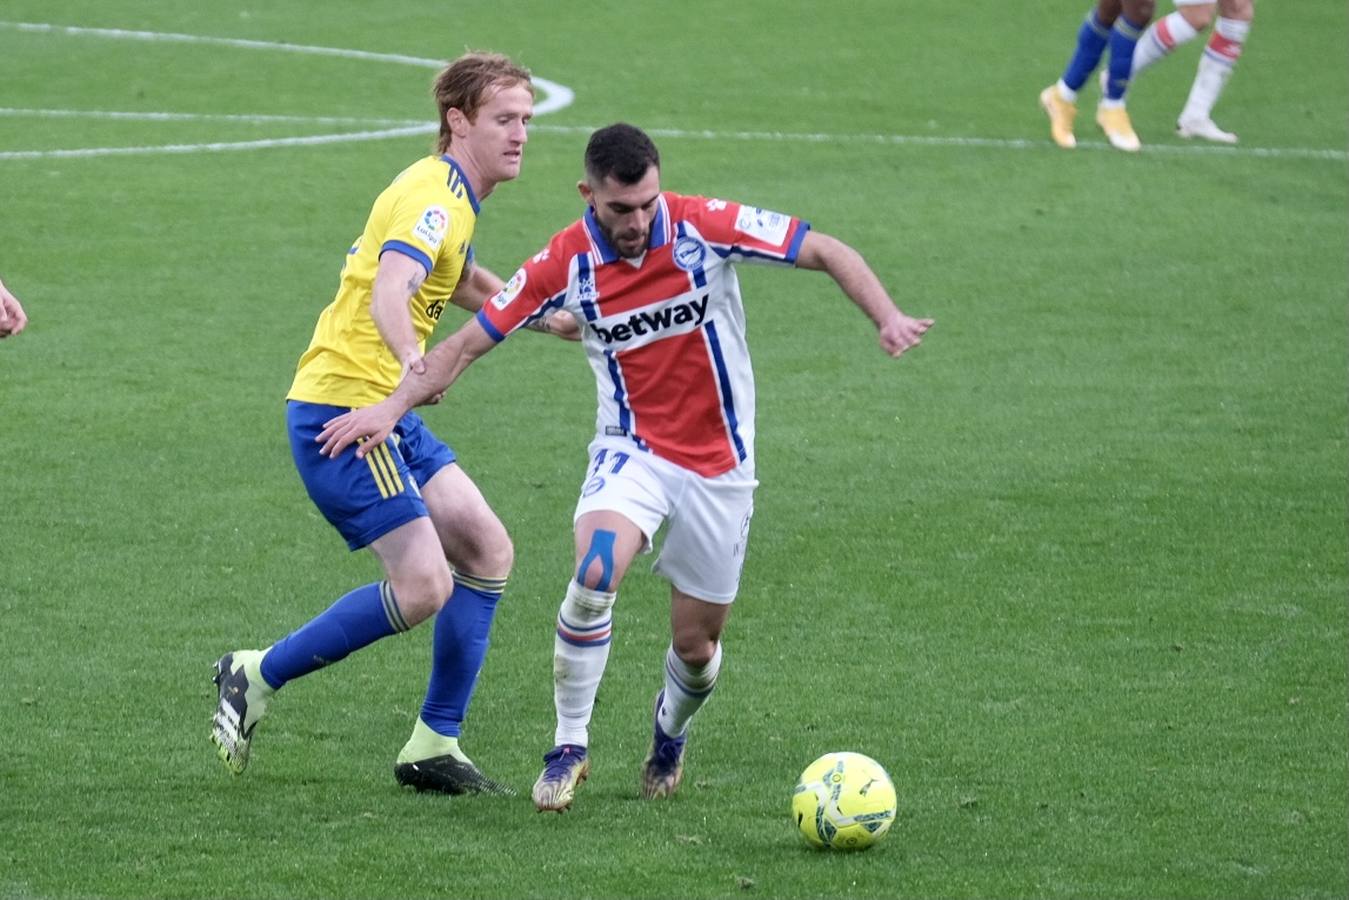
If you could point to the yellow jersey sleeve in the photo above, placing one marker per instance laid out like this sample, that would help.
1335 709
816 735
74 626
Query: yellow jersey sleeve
428 213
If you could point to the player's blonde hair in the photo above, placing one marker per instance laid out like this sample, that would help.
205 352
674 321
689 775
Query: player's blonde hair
465 83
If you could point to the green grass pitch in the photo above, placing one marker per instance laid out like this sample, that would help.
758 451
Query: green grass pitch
1074 571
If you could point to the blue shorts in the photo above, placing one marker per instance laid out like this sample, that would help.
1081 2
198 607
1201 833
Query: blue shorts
365 498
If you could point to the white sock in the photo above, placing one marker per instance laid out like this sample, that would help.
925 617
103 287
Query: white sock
1215 67
1066 92
686 690
1161 38
580 652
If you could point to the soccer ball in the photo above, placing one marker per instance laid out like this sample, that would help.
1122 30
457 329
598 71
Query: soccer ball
844 801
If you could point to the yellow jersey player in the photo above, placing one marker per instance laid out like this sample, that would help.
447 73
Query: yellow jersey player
407 499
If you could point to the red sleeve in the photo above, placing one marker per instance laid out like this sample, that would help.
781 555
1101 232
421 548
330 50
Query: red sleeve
745 232
538 286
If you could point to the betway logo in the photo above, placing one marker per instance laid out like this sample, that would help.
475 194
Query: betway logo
643 323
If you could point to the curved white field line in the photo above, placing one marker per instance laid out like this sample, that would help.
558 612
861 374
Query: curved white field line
556 97
247 118
403 127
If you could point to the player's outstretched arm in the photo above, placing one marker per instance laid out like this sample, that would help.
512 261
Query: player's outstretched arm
370 425
473 290
481 285
897 331
12 317
561 323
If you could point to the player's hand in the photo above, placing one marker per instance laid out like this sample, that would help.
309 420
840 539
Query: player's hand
369 427
12 318
413 362
900 332
564 325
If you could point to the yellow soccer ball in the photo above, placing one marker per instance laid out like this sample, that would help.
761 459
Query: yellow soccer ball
844 801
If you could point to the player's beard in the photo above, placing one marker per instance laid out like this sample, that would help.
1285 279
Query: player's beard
638 239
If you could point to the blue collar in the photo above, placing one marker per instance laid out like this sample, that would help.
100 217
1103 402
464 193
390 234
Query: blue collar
455 168
607 253
654 238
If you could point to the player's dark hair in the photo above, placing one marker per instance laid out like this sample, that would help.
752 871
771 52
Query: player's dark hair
622 152
464 85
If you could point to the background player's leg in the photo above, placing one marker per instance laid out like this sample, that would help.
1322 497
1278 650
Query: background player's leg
1092 38
1111 114
1169 32
1215 68
1059 100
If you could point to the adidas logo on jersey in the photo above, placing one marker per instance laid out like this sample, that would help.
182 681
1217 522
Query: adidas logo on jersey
650 322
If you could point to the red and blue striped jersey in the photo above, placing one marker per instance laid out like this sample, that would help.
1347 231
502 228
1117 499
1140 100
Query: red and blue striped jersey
664 334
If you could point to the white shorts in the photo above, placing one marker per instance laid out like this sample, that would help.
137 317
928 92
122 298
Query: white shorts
704 549
1192 2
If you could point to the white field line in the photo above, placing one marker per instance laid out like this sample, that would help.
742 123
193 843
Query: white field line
244 118
937 141
557 96
405 127
264 144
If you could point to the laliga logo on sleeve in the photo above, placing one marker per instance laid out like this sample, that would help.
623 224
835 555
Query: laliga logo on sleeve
432 226
689 254
763 224
503 298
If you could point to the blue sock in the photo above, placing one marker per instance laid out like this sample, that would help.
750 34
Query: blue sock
458 650
1123 39
1091 41
361 617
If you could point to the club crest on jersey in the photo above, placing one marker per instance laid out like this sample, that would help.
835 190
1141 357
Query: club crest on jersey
763 224
585 290
689 253
431 227
503 297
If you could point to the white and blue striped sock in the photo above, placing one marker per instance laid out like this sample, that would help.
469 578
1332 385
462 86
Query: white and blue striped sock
580 653
686 690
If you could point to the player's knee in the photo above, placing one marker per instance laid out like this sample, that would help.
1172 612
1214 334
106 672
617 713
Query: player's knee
421 593
498 556
599 569
595 578
1139 11
491 554
1199 17
1241 10
695 650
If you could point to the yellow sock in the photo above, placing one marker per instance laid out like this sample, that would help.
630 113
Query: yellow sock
426 744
